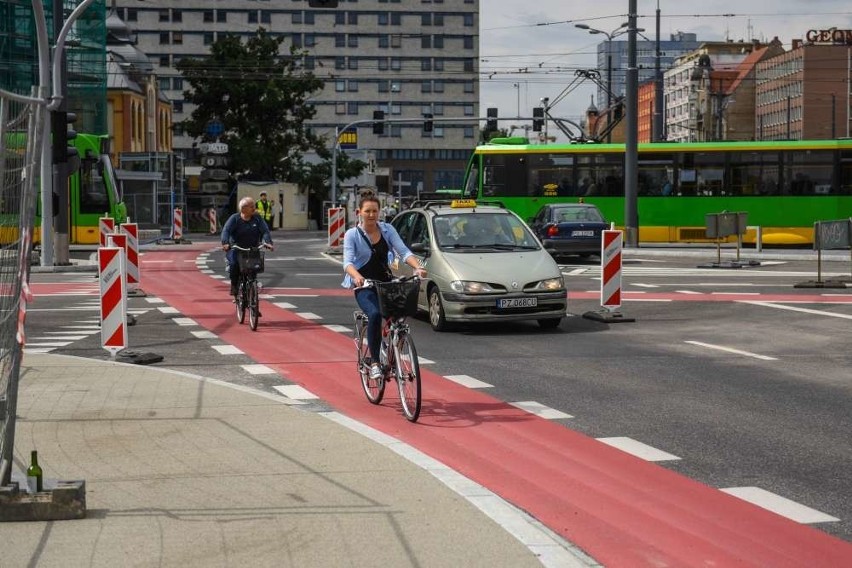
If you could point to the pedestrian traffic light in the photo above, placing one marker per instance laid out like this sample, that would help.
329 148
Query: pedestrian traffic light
427 122
538 119
322 3
378 122
491 123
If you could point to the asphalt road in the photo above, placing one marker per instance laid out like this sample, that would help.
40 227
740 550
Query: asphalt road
731 377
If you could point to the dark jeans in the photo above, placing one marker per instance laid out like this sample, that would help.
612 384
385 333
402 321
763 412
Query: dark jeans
233 266
368 301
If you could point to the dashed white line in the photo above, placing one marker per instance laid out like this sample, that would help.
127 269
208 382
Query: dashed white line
795 309
204 334
645 285
155 300
735 293
338 328
468 381
258 369
168 310
227 349
285 305
638 449
540 410
780 505
688 292
185 321
309 315
732 350
61 337
296 392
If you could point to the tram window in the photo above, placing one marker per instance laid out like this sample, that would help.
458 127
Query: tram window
845 184
93 195
550 175
656 174
808 173
753 173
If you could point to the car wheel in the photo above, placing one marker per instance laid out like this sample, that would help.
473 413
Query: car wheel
436 310
549 323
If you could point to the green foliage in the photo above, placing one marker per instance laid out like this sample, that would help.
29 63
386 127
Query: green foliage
263 99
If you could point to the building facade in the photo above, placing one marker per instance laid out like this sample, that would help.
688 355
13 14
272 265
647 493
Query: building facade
408 58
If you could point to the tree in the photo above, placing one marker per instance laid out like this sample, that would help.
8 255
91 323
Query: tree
262 99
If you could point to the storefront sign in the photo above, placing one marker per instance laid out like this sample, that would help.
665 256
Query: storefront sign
832 35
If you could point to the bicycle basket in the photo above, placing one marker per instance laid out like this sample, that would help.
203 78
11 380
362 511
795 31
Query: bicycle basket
250 260
398 299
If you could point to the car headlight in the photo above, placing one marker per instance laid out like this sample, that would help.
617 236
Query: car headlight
550 284
468 287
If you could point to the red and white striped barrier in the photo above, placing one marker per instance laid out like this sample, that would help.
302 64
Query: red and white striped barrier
214 224
111 273
611 245
336 226
131 249
106 226
177 227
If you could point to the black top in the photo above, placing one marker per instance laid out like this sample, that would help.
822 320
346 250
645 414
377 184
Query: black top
377 267
245 234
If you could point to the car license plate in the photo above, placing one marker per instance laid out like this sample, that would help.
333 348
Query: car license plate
583 234
504 303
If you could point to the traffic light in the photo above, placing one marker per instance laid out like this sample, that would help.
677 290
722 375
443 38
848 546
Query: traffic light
322 3
538 119
491 123
427 122
379 122
71 155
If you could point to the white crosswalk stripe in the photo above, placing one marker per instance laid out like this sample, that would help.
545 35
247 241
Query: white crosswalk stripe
662 272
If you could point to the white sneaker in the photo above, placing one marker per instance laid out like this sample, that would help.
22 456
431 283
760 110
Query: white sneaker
376 371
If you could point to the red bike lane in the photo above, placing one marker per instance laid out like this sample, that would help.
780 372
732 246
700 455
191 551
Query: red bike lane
621 510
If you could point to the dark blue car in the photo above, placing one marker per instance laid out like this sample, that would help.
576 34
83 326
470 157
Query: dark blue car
570 228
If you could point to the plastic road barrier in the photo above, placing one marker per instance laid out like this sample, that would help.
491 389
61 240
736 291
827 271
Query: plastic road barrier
106 226
111 273
177 228
611 245
214 224
131 249
336 226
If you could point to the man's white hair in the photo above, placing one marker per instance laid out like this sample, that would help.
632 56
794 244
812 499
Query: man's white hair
246 201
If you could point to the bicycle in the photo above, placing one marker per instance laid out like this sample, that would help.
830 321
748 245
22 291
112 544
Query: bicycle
397 300
248 288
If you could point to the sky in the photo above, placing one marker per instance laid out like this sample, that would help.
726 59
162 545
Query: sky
531 49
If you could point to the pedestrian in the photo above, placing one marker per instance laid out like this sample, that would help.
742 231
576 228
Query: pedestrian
368 250
245 229
264 209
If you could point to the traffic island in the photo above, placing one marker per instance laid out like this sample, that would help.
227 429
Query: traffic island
138 358
59 501
821 284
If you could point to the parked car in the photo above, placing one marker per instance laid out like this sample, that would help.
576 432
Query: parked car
570 228
482 263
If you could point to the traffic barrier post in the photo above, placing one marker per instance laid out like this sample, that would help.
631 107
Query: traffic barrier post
214 224
177 226
336 226
106 226
131 231
612 243
113 299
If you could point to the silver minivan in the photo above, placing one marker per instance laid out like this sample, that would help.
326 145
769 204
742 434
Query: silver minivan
483 264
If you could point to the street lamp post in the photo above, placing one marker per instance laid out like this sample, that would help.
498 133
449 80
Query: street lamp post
609 35
631 149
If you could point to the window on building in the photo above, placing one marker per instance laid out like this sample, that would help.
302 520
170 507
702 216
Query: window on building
468 42
426 19
340 62
352 18
468 110
340 86
297 40
221 16
383 18
439 64
310 40
208 38
164 61
437 131
396 40
177 106
352 86
468 86
396 64
438 20
252 16
164 83
352 107
353 63
177 83
265 17
208 16
384 41
468 65
438 86
426 87
384 64
132 14
468 131
340 108
339 40
164 15
426 42
352 40
426 64
309 18
177 15
438 42
177 38
438 109
468 20
296 17
339 18
310 62
396 19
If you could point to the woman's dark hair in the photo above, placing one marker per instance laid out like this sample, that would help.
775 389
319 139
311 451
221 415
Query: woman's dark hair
367 198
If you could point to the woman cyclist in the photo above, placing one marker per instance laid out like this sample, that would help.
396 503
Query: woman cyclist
368 249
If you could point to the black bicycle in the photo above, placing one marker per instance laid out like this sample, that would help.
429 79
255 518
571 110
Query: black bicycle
248 288
397 300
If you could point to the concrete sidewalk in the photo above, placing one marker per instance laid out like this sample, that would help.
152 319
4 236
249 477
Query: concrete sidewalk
186 471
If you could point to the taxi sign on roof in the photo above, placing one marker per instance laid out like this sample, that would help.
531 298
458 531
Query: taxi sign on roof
458 203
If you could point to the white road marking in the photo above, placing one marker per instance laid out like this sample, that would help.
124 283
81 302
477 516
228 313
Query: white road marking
168 310
735 293
227 349
732 350
38 349
338 328
94 327
204 334
645 299
317 274
296 392
424 361
540 410
688 292
184 321
575 272
803 310
638 449
155 300
285 305
49 344
309 315
61 337
258 369
780 505
468 381
83 332
645 285
146 261
296 295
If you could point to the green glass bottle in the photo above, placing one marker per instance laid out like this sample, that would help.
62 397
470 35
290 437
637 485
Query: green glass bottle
34 475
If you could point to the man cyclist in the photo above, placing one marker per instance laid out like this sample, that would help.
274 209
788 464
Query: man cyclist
245 229
264 209
368 249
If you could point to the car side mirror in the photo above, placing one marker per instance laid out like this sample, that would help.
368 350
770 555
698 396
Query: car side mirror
420 248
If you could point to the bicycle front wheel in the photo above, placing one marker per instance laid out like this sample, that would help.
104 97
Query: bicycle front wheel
253 306
408 376
240 302
374 389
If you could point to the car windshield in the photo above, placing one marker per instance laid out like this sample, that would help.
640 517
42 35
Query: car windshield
482 230
572 214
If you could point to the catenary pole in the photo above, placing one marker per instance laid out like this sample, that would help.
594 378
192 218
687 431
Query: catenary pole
631 159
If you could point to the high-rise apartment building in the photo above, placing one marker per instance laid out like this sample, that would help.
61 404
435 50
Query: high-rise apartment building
408 58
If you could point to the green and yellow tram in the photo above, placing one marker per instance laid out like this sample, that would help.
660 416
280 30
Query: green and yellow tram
784 186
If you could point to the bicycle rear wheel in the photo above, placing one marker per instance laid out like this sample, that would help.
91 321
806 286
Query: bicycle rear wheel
374 389
241 301
253 306
408 376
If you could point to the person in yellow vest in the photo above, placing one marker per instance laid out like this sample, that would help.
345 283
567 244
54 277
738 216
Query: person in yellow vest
264 209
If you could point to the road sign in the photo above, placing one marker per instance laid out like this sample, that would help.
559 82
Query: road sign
213 148
348 139
214 128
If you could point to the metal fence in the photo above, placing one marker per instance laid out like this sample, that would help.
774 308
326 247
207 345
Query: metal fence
21 128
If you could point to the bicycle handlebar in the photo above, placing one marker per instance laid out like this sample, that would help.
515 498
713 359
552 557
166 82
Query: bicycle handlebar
368 283
262 245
